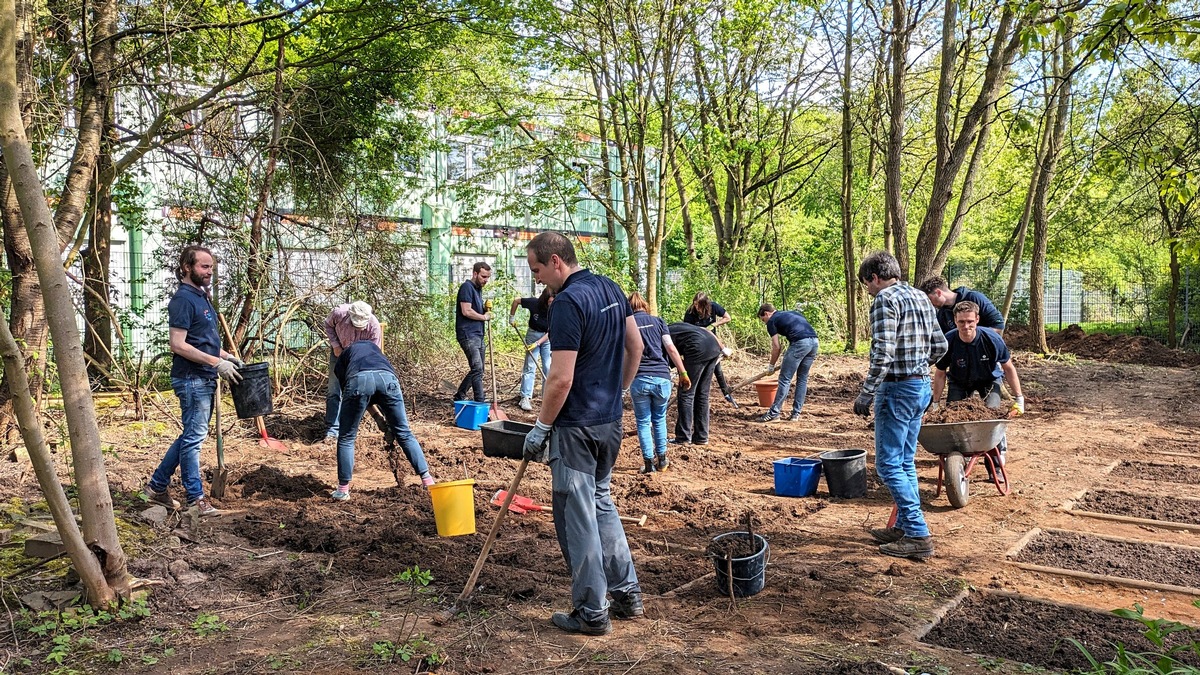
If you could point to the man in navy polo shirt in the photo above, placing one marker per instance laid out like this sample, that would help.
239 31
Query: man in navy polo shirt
469 320
597 349
977 361
197 359
944 300
797 361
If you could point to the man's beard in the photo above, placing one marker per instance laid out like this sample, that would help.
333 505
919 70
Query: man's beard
197 279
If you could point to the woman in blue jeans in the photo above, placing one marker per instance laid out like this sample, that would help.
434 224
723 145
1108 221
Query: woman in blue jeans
651 388
537 341
367 377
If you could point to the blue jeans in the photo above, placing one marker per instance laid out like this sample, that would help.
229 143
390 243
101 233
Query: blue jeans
333 399
542 351
797 361
196 404
650 394
383 389
473 349
898 410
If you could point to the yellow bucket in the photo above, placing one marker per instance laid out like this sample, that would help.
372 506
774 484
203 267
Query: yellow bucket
454 507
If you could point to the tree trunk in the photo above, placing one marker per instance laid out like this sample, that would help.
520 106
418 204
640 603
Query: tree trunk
1173 297
1023 225
1037 282
897 222
97 311
95 501
256 271
848 267
685 213
964 197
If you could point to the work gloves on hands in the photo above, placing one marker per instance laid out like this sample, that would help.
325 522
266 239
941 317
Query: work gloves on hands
685 382
933 407
537 443
1018 408
771 367
227 369
863 404
234 360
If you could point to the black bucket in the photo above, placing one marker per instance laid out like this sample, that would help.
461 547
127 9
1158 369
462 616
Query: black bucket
252 396
749 573
845 472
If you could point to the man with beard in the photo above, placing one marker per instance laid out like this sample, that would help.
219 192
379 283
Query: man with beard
469 320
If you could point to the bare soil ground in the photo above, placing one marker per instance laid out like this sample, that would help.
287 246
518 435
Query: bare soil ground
291 581
1121 503
1126 559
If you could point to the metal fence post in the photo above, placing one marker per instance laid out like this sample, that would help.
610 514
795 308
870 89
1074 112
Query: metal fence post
1060 295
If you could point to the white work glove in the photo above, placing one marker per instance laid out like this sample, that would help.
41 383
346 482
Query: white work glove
771 367
933 407
229 371
537 443
1018 406
234 360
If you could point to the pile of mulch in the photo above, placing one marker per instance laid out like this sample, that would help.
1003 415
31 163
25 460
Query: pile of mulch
1137 349
967 410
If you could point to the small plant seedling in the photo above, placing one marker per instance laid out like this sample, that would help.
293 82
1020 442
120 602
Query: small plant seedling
208 624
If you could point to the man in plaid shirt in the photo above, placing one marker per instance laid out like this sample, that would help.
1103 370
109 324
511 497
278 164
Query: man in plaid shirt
905 339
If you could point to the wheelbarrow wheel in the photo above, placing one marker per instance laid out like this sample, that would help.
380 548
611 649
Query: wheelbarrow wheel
958 487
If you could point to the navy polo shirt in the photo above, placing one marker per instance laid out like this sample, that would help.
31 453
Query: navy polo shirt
975 362
537 314
694 344
190 310
654 361
791 325
360 357
588 317
690 316
464 327
989 316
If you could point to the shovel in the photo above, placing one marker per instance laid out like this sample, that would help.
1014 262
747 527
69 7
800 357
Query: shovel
494 412
519 504
221 475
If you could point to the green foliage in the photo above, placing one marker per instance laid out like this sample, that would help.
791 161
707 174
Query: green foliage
208 624
1165 660
416 647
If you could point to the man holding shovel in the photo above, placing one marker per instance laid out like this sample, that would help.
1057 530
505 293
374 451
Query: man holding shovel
597 349
905 339
797 360
345 325
469 320
196 362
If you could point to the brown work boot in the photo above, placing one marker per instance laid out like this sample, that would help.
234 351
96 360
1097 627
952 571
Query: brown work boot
162 498
204 507
886 535
573 623
917 548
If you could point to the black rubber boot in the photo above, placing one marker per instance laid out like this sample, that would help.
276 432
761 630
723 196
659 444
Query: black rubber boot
649 466
661 462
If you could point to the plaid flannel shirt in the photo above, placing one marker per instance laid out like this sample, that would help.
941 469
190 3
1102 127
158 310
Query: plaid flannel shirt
905 335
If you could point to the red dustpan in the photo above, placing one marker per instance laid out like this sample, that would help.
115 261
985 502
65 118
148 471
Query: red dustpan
518 504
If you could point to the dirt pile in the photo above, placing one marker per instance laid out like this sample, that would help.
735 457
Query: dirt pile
1137 349
967 410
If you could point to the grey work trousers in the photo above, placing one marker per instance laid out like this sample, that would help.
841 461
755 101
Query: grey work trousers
589 530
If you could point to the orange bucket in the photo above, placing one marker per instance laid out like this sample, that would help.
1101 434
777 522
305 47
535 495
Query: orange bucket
766 392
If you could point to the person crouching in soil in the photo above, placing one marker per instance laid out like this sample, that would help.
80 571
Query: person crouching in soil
367 378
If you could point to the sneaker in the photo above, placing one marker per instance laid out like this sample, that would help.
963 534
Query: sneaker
727 351
769 416
661 462
886 535
330 439
427 479
679 441
341 495
204 507
648 466
917 548
795 416
628 606
162 498
573 624
525 404
703 442
732 401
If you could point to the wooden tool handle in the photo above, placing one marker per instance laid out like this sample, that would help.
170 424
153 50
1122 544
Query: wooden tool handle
641 522
487 545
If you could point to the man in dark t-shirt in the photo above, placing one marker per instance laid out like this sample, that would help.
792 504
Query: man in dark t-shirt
469 321
797 360
597 349
944 300
701 352
196 361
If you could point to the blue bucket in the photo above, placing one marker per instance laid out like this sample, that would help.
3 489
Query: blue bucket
795 477
470 414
